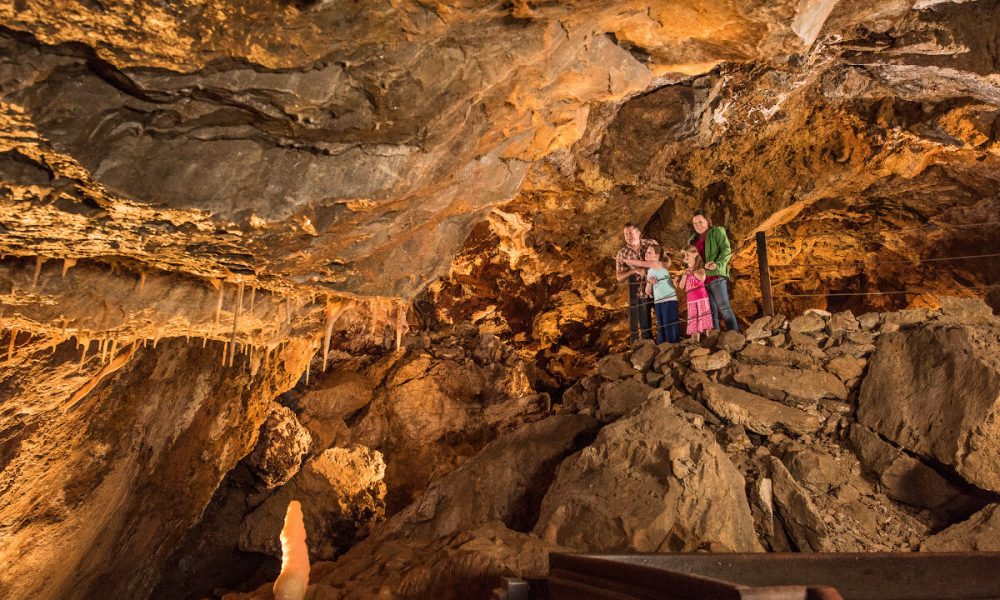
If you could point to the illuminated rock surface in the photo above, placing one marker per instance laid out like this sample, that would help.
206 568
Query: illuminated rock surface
394 220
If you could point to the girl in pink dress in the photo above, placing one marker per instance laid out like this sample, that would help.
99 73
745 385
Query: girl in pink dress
699 313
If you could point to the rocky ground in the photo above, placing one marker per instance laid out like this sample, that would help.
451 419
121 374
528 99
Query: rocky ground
820 433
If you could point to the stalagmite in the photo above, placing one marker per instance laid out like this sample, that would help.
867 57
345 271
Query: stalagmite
293 581
67 263
10 348
38 270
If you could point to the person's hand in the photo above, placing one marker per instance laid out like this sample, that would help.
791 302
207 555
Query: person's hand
710 265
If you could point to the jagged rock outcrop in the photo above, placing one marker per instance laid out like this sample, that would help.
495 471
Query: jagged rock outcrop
120 441
934 390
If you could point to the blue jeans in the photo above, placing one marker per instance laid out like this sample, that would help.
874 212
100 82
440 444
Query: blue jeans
668 327
718 298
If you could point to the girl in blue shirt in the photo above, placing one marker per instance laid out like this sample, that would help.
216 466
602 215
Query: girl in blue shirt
661 285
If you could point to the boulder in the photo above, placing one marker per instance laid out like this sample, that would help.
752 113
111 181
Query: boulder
282 443
816 470
968 311
843 321
342 496
902 477
326 432
802 386
934 390
643 356
807 324
711 362
758 353
614 367
337 396
616 398
624 493
980 533
846 367
869 320
730 341
757 414
518 468
802 522
759 329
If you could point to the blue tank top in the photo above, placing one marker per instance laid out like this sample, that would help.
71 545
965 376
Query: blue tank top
663 289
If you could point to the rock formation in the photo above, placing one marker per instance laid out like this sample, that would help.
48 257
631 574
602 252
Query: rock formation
255 249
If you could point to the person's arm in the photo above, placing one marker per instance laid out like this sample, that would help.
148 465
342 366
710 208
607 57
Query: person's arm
645 264
649 285
682 281
720 262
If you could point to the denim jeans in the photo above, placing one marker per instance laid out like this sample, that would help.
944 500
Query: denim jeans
718 297
640 312
668 327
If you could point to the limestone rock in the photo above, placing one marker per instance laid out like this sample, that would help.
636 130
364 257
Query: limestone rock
980 533
935 391
869 320
846 367
620 494
643 356
730 341
617 398
282 443
842 322
759 329
767 355
711 362
614 367
802 521
968 311
505 481
804 386
342 496
337 396
807 323
903 477
816 470
758 414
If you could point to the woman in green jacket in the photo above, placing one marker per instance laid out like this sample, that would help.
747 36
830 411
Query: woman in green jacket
713 245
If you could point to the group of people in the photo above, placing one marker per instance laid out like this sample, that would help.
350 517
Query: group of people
652 288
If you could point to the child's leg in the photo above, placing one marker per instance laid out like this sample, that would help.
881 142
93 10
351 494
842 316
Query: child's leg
673 329
661 321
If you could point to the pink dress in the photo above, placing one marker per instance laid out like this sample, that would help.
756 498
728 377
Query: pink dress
699 317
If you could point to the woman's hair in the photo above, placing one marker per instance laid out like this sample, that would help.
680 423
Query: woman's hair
704 215
699 261
658 250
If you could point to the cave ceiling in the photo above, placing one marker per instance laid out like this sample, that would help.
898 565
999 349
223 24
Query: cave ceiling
350 148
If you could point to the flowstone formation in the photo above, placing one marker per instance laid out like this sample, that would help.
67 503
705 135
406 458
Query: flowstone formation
356 255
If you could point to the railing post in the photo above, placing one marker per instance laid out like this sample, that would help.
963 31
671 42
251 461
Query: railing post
765 274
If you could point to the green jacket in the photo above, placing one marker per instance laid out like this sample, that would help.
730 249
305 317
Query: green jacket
716 250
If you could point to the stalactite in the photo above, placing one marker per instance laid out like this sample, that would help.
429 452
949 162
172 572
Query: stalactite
67 263
83 355
187 336
225 347
253 295
114 345
115 363
307 371
142 280
204 340
39 260
103 346
236 321
400 325
218 304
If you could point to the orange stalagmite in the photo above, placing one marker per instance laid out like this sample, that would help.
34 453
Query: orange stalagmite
293 580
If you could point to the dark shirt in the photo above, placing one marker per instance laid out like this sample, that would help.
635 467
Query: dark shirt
634 254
